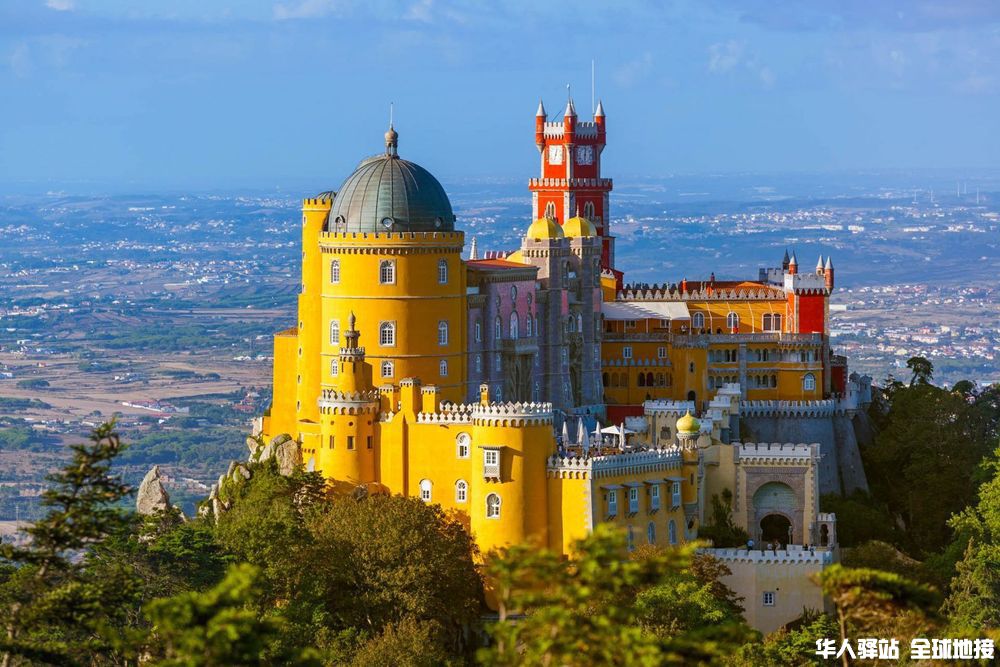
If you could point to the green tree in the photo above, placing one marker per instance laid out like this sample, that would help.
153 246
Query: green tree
218 628
721 530
53 611
409 643
922 369
794 644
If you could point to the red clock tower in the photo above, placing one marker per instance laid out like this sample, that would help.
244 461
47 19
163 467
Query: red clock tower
571 182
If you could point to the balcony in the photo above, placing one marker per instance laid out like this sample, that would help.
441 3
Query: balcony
519 346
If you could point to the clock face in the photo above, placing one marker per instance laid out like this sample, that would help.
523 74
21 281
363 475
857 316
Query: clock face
585 155
555 154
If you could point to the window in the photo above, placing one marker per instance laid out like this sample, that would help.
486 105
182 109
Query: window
387 369
496 362
462 445
443 368
651 533
368 442
498 328
588 210
550 208
661 352
513 325
768 598
387 272
627 352
443 272
350 442
442 333
654 494
527 326
579 322
387 334
633 500
733 321
491 463
676 499
672 531
776 322
335 333
612 502
425 490
461 491
493 506
335 271
332 440
479 331
334 367
479 363
513 293
698 321
809 382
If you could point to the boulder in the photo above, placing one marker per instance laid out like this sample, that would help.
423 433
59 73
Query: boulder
152 497
288 456
241 471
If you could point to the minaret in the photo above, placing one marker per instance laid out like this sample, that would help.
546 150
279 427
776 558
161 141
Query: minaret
473 249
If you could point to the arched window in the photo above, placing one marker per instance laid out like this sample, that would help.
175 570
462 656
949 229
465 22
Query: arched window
527 326
387 272
442 333
767 322
461 491
641 381
443 272
579 322
335 333
479 331
387 369
698 321
335 271
479 363
492 506
334 367
538 327
651 532
733 321
776 322
425 490
809 382
462 445
387 334
443 368
604 379
496 362
672 531
550 210
588 210
513 325
498 328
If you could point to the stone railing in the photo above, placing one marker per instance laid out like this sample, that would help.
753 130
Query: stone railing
789 556
513 414
629 463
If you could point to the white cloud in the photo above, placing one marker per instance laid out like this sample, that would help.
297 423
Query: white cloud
724 56
61 5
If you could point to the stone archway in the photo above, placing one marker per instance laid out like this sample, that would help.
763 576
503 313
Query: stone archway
775 528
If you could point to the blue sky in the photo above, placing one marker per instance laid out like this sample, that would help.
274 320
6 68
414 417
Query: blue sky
220 93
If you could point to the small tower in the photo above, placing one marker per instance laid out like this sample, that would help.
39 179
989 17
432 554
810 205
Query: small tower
819 266
540 117
828 273
688 428
784 261
793 264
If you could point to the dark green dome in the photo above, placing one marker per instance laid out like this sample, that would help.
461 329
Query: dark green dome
386 193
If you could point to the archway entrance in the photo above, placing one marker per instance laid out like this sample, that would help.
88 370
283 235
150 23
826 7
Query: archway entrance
693 397
775 528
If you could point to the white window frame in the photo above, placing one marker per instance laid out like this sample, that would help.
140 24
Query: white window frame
698 321
675 494
479 331
808 382
426 490
493 508
443 368
661 352
387 272
627 352
733 321
387 334
442 272
461 491
387 368
334 367
443 332
463 445
633 499
335 337
768 598
498 328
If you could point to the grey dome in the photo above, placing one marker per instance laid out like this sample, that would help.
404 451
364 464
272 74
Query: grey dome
386 193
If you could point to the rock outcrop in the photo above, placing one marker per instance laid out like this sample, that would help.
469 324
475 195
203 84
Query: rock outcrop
282 448
152 497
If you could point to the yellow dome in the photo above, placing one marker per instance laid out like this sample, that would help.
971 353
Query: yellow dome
544 228
688 424
579 226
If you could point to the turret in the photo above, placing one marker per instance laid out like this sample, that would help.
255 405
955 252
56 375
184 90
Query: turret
828 273
784 261
569 124
793 264
599 120
540 117
819 266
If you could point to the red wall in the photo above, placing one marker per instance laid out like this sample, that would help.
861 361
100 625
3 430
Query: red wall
812 314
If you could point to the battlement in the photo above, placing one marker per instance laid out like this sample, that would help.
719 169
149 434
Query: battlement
332 401
806 283
417 237
650 460
513 414
826 517
324 201
667 407
444 418
791 556
674 293
599 183
776 452
800 409
655 362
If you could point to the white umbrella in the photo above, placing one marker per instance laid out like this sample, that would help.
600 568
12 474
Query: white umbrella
565 434
581 432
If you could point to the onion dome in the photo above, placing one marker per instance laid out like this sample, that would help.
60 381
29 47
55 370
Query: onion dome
544 228
688 425
579 226
388 194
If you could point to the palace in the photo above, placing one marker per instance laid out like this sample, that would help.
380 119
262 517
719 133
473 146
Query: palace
482 384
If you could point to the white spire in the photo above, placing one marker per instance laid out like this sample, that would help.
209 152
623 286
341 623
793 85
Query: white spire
570 109
829 263
600 110
541 110
819 264
474 249
793 260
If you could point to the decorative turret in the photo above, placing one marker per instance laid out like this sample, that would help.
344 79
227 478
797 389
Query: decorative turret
474 249
784 261
819 266
569 129
793 264
688 429
600 121
828 273
391 142
540 117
